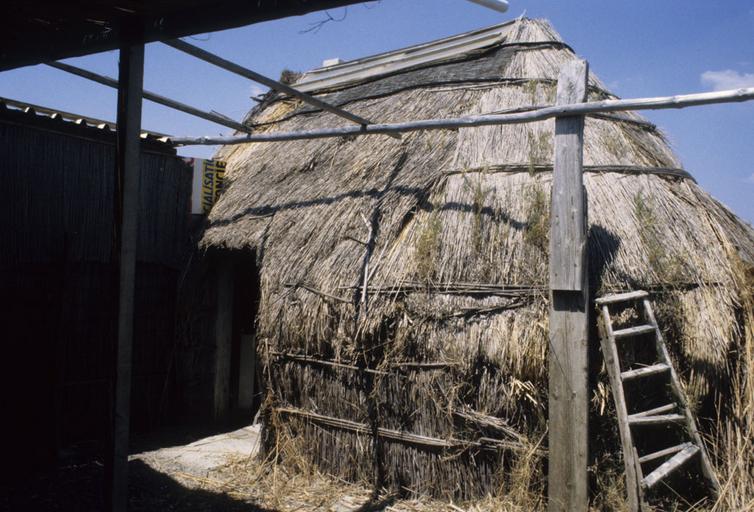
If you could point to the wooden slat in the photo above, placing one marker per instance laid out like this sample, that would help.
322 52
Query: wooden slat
633 331
673 464
652 412
622 297
644 372
663 453
657 420
568 389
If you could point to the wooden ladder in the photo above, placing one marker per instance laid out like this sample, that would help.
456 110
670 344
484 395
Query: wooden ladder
634 424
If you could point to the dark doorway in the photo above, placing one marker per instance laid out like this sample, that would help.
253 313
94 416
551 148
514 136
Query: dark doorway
236 389
243 374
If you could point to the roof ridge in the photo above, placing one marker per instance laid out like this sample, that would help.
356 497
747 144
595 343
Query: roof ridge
404 58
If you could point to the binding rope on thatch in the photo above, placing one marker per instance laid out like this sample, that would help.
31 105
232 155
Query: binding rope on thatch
456 289
303 358
405 85
308 359
487 119
620 169
449 236
482 443
471 84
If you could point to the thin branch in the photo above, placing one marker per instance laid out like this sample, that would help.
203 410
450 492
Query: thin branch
317 25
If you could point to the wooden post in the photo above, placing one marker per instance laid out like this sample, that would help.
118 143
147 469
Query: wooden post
126 208
568 365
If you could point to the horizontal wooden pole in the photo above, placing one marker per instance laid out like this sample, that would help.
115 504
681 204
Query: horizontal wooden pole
667 102
156 98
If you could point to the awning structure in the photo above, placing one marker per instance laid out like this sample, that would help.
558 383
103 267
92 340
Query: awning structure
46 30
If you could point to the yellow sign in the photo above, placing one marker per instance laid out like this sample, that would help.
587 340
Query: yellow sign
213 182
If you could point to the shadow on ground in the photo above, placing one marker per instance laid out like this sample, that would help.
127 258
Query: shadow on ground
80 488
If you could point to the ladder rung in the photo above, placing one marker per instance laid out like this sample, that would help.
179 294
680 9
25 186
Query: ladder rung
663 453
656 420
633 331
622 297
652 412
667 467
644 372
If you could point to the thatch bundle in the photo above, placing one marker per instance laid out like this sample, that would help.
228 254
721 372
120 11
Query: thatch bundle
403 315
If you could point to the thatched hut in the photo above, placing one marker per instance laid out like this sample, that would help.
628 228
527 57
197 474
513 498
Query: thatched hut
403 312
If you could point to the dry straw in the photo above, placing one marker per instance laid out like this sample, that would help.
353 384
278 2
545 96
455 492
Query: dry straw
418 266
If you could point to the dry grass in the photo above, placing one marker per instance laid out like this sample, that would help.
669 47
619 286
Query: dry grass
427 248
465 212
299 485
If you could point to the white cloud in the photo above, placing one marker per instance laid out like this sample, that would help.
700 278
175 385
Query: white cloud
727 79
750 179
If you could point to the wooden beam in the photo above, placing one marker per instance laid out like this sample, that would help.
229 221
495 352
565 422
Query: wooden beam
539 114
568 365
93 27
126 208
156 98
227 65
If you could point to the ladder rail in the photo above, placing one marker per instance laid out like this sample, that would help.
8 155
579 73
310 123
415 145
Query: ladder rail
675 383
633 469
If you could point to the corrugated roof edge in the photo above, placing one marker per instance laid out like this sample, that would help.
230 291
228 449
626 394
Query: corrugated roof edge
38 111
396 60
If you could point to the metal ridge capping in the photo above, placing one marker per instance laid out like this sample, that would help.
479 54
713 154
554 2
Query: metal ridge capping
384 63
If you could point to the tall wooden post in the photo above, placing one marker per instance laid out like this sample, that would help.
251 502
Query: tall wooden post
568 366
126 208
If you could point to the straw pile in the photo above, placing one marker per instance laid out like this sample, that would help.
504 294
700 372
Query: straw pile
403 315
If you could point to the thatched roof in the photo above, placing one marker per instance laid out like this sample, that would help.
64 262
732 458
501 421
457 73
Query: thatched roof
451 229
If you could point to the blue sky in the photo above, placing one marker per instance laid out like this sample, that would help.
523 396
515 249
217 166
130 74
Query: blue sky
639 48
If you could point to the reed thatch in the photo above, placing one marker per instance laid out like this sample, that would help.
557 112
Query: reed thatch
403 315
